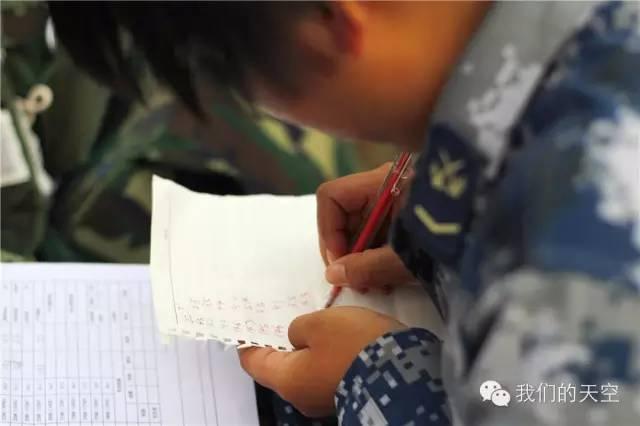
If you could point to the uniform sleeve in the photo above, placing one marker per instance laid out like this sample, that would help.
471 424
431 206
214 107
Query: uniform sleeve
548 333
561 347
395 380
544 329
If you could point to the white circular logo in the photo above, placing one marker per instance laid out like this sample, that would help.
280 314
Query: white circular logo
491 390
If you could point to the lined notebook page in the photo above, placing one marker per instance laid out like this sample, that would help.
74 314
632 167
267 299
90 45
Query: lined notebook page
239 269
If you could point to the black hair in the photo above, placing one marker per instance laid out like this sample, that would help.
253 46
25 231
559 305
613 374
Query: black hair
179 41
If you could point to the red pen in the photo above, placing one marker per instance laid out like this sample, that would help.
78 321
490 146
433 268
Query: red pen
380 209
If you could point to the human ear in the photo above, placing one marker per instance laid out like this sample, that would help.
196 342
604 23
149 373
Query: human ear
333 29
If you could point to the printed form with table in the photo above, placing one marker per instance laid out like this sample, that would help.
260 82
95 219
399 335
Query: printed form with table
85 344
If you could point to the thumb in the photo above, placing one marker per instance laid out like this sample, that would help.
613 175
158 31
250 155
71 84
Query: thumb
377 267
267 366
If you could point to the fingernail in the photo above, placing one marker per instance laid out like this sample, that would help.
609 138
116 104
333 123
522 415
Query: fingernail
336 274
330 257
387 289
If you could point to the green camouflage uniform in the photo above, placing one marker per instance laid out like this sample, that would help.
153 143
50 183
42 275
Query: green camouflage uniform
101 152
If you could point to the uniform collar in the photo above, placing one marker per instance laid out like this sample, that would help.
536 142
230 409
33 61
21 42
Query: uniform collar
470 129
499 70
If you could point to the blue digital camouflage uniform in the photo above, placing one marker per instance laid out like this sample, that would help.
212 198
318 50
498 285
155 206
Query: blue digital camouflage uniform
523 222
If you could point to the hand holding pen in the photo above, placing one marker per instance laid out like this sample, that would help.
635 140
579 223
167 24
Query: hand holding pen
351 211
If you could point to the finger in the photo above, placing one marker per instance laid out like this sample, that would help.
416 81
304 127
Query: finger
371 268
302 329
336 201
266 365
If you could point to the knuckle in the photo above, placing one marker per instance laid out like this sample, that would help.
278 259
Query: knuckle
305 323
358 275
386 165
323 190
383 169
297 326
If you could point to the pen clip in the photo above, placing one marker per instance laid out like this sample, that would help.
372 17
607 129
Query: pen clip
403 177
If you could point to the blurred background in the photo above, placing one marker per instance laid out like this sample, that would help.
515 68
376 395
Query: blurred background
77 158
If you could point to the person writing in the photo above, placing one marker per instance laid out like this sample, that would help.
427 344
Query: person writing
523 214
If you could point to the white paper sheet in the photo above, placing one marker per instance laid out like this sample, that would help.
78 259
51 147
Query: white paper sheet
239 269
79 346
